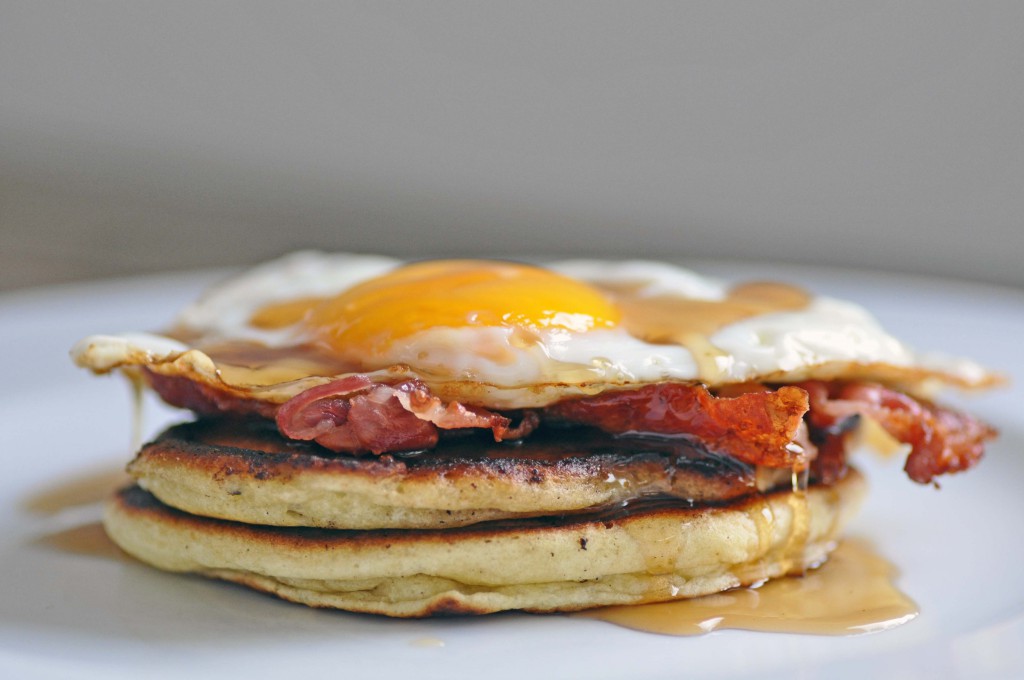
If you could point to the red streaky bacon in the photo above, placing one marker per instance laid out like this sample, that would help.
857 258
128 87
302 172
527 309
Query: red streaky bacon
756 427
942 440
762 427
355 415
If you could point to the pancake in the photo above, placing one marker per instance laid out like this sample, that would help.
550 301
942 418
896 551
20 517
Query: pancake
644 552
246 471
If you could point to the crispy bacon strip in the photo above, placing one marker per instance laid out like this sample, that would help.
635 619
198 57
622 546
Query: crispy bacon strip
355 415
756 427
942 440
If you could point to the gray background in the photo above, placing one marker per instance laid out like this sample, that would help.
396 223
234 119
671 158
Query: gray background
152 136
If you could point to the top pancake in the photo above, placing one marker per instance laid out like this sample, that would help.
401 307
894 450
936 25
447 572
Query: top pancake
245 471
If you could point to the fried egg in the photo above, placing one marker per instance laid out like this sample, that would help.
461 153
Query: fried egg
511 335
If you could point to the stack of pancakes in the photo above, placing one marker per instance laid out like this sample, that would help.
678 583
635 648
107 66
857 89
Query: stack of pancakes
566 521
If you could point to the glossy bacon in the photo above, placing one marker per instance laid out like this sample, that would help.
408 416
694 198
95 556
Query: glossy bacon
763 427
942 440
756 427
355 415
184 392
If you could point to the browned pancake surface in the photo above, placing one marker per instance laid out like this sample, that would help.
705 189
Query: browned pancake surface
245 471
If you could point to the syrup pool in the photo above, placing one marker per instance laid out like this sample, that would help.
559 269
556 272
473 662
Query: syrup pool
851 594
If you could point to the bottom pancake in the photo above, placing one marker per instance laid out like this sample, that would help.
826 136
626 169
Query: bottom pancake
644 553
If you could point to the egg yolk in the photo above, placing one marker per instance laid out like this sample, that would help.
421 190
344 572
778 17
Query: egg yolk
371 315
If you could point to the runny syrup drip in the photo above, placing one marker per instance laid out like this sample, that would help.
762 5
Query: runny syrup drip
138 385
852 593
801 528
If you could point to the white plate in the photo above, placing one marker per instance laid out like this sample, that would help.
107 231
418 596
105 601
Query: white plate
65 614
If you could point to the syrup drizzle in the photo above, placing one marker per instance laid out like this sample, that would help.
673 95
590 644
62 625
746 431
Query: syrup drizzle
851 594
801 528
691 322
138 385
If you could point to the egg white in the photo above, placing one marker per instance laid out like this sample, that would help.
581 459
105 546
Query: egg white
224 310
